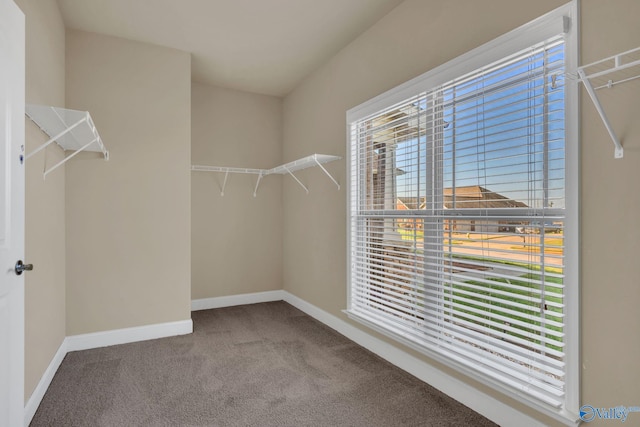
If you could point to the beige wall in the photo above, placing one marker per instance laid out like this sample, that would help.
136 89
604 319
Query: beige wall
414 38
610 206
44 200
128 219
236 239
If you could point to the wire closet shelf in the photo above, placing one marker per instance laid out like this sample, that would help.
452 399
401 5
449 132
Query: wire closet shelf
606 74
314 160
72 130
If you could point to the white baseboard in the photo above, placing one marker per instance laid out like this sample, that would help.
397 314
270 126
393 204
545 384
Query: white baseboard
482 403
38 393
128 335
96 340
233 300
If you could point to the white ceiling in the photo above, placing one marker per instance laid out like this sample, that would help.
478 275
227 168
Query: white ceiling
261 46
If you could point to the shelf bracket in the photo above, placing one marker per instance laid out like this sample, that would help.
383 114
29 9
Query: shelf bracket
224 183
619 151
297 180
60 135
255 190
54 167
328 174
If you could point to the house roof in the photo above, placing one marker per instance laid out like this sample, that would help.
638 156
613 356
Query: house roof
475 196
469 197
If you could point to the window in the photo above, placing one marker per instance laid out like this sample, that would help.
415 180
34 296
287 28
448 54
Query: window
462 214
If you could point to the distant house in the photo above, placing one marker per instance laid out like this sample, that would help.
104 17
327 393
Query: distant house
467 197
477 197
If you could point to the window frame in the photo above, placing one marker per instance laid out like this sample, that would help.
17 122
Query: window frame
564 19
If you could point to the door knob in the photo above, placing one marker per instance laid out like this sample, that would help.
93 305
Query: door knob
20 267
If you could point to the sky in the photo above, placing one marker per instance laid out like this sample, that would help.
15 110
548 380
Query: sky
495 126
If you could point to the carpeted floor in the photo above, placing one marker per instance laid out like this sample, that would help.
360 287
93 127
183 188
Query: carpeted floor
255 365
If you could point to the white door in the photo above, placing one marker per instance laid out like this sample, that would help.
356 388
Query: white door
12 75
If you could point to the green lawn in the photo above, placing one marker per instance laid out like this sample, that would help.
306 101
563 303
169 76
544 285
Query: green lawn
411 235
531 267
507 297
494 295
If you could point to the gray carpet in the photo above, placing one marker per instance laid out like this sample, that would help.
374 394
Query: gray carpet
255 365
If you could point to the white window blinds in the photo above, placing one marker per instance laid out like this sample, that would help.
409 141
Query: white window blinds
457 218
